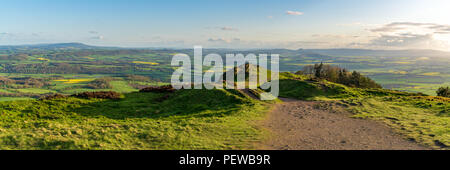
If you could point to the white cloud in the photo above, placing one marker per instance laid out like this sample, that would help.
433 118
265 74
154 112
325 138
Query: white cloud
224 40
294 13
100 37
410 35
228 28
224 28
5 35
216 40
403 40
413 26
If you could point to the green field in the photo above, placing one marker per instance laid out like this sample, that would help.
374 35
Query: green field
406 72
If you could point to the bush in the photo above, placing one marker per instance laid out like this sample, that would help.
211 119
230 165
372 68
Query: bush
98 95
53 96
160 89
443 92
338 75
101 83
137 78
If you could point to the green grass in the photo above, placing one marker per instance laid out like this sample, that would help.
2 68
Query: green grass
422 119
35 90
188 119
292 86
122 87
2 99
5 90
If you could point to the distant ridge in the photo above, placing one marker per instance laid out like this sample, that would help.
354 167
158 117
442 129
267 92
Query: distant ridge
379 53
63 45
327 52
57 46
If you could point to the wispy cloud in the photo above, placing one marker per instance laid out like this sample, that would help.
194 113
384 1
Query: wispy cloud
100 37
224 40
222 28
4 35
405 26
294 13
95 35
216 40
410 35
228 28
403 40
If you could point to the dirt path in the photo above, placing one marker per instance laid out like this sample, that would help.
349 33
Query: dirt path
296 125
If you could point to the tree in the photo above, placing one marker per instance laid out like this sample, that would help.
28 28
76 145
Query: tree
356 79
338 75
342 78
318 68
443 91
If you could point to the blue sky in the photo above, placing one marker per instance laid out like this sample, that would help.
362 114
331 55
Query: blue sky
385 24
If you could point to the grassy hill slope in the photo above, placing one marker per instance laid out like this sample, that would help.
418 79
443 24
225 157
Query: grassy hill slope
424 119
206 119
186 119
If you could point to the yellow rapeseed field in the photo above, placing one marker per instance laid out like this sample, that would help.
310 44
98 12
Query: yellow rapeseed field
144 62
74 81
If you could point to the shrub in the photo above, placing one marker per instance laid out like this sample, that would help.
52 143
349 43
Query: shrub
137 78
101 83
338 75
98 95
443 92
158 89
53 96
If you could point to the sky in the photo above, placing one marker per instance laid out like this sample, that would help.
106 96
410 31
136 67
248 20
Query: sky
292 24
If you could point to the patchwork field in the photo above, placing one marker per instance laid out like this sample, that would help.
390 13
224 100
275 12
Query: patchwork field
34 72
199 119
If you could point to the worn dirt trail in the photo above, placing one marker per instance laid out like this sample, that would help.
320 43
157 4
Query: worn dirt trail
297 125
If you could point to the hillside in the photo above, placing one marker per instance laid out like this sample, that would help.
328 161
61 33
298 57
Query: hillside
30 72
423 119
207 119
69 67
186 119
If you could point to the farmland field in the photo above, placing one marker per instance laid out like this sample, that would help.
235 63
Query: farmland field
30 73
196 119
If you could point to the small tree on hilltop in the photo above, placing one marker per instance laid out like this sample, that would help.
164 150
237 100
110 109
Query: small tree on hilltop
318 70
443 91
355 79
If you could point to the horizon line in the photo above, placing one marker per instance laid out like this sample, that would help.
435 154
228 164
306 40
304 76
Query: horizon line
183 48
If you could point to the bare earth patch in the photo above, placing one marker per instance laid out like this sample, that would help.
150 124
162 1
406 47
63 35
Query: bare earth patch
297 125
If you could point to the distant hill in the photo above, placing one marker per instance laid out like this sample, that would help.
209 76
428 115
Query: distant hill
379 53
317 53
63 45
58 46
